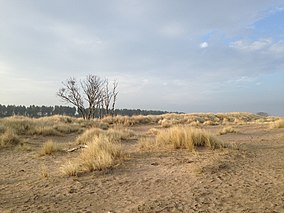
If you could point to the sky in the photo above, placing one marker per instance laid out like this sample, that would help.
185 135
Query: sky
174 55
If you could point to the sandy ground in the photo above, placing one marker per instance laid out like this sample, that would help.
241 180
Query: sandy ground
247 179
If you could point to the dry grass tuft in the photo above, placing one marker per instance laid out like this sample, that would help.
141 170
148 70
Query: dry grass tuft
9 138
88 135
100 154
153 131
165 123
44 171
49 147
69 169
227 130
181 138
277 124
119 134
147 143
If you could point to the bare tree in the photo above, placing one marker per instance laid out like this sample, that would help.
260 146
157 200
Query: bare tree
70 93
94 91
114 96
92 88
107 96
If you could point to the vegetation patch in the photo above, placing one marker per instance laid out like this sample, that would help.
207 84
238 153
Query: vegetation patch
100 153
9 138
181 138
49 148
227 130
277 124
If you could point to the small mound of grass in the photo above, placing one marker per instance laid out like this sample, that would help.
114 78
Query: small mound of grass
114 134
227 130
69 168
101 153
88 135
277 124
183 138
9 138
49 148
119 134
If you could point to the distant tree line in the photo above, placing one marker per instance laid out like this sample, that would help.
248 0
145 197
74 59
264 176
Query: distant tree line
36 111
41 111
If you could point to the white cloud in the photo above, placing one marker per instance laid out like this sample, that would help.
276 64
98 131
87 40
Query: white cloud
203 45
278 47
251 46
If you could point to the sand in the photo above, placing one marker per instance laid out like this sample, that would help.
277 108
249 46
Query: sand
247 178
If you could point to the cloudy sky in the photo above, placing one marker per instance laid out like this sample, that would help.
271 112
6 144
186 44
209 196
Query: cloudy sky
175 55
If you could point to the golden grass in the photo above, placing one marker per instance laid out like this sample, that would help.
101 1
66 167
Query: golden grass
277 124
54 125
116 134
49 148
179 137
227 130
165 123
153 131
101 153
120 134
70 168
9 138
88 135
44 171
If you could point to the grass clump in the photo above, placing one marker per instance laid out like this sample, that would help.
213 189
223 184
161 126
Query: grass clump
88 135
49 148
277 124
69 168
9 138
182 138
101 152
120 134
117 134
227 130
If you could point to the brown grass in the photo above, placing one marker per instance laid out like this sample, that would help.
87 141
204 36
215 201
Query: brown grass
102 152
277 124
181 138
88 135
227 130
49 148
70 168
9 138
115 134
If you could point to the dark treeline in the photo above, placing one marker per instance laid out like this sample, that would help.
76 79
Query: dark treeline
41 111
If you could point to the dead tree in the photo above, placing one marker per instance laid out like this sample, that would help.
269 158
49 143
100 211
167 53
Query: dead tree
93 88
70 93
94 98
114 96
107 96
